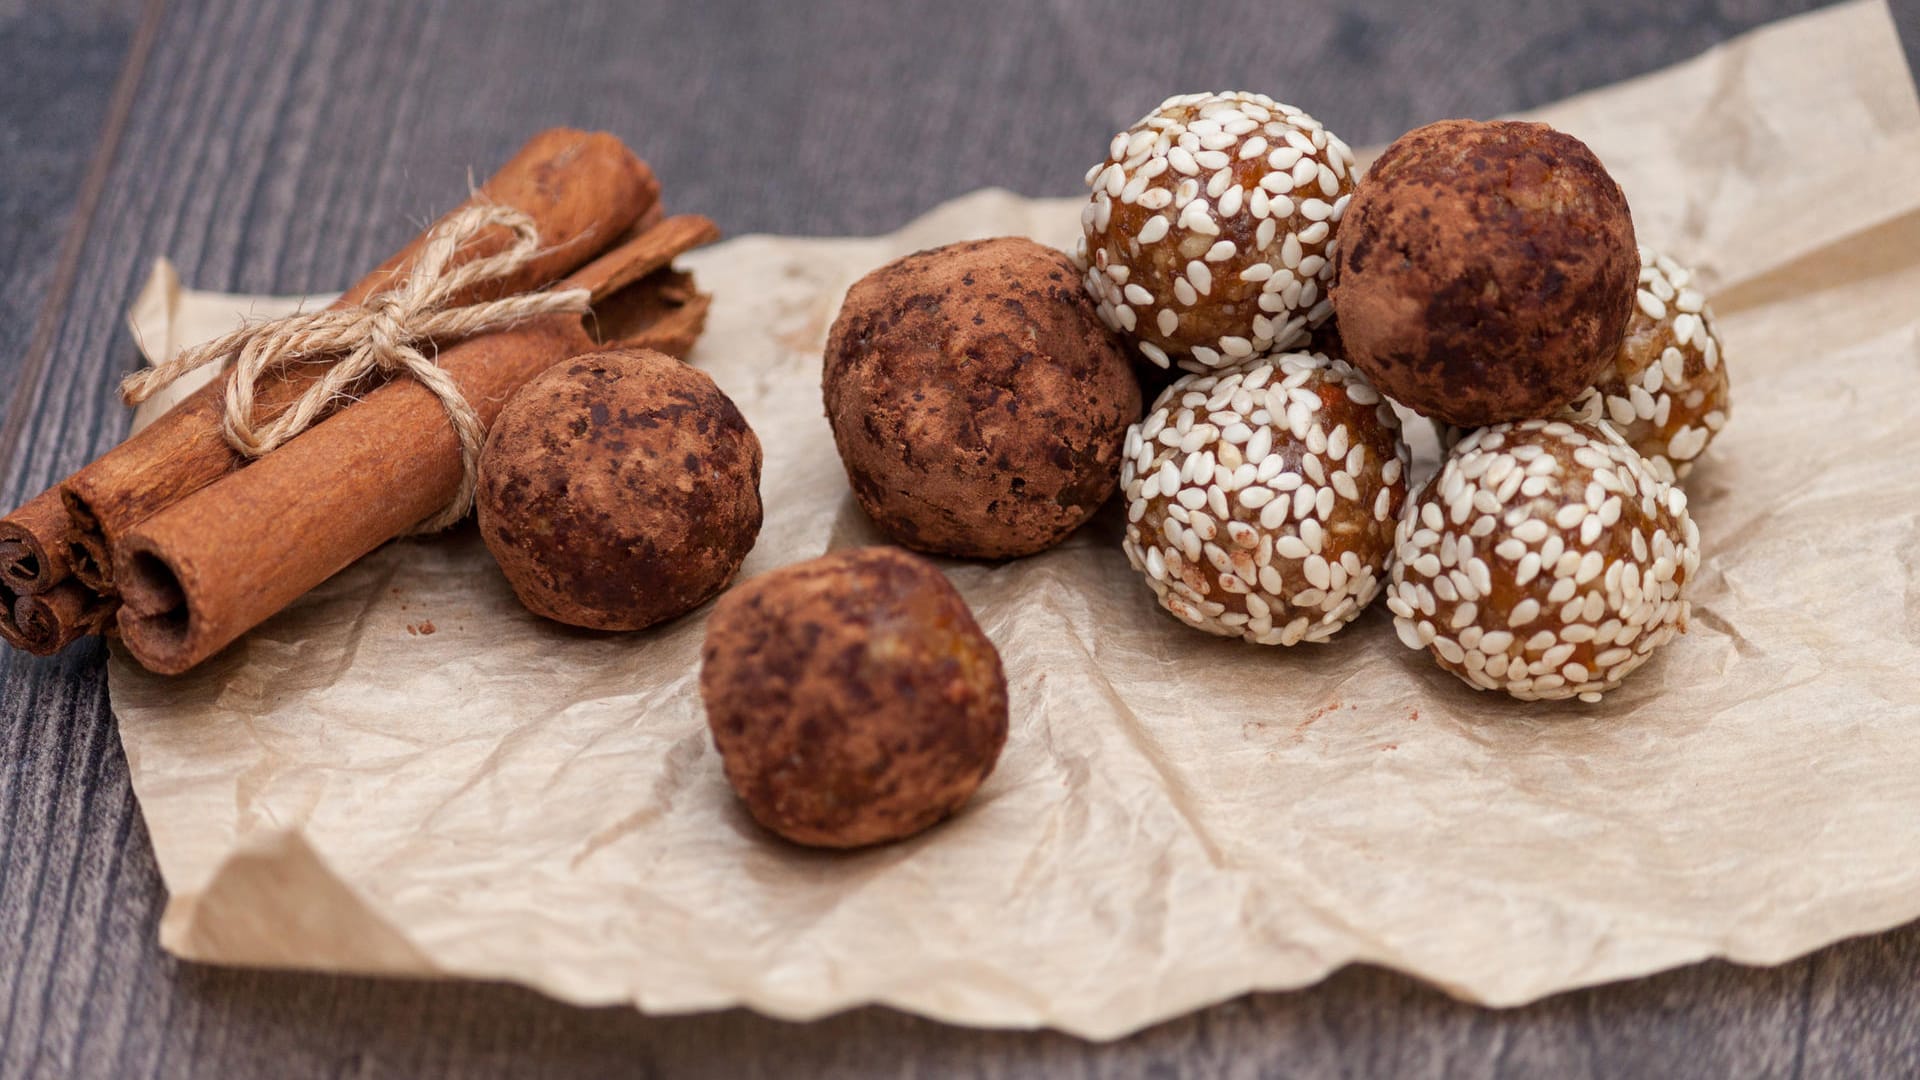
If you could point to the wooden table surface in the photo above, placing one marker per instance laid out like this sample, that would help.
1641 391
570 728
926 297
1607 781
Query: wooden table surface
284 147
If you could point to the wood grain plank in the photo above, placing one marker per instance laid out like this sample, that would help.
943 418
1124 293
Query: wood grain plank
58 77
284 147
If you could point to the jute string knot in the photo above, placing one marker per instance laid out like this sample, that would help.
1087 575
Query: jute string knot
380 337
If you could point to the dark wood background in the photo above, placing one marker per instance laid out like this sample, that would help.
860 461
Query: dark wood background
286 146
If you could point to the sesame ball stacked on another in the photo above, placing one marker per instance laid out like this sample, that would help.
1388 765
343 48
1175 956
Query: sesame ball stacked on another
1261 500
1545 559
1666 391
1209 238
1486 271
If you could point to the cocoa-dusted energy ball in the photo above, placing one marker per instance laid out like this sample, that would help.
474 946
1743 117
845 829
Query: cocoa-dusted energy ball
1261 499
977 402
1666 390
852 698
1486 271
1211 226
619 489
1545 559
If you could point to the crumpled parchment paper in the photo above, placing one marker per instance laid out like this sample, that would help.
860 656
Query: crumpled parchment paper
1176 819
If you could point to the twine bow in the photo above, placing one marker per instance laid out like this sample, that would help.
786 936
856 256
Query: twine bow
380 336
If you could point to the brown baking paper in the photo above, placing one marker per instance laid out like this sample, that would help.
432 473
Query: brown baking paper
1177 819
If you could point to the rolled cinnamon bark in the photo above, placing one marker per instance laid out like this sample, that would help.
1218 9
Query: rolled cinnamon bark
44 623
582 189
33 544
202 572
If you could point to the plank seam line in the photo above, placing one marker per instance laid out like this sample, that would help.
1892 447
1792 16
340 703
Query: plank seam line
67 269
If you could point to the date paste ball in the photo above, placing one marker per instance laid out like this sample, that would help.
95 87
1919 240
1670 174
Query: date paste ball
619 489
1210 232
977 402
1486 271
1666 390
852 698
1261 500
1545 560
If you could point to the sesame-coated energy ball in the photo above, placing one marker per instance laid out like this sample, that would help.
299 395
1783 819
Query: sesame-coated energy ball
1209 237
1261 499
1486 271
1545 559
852 697
1666 392
977 402
619 489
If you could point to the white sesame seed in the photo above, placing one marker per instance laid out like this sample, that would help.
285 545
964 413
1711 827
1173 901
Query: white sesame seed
1290 252
1314 535
1270 580
1169 476
1317 572
1531 531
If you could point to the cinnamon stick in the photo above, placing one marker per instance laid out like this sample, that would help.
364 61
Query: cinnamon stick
665 315
202 572
44 623
583 189
33 544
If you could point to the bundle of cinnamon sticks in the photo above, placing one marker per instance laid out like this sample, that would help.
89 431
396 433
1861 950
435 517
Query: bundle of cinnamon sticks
179 543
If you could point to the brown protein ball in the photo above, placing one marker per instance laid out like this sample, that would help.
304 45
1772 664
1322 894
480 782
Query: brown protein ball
1485 271
1545 559
1261 499
619 489
852 697
1210 226
977 402
1666 391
